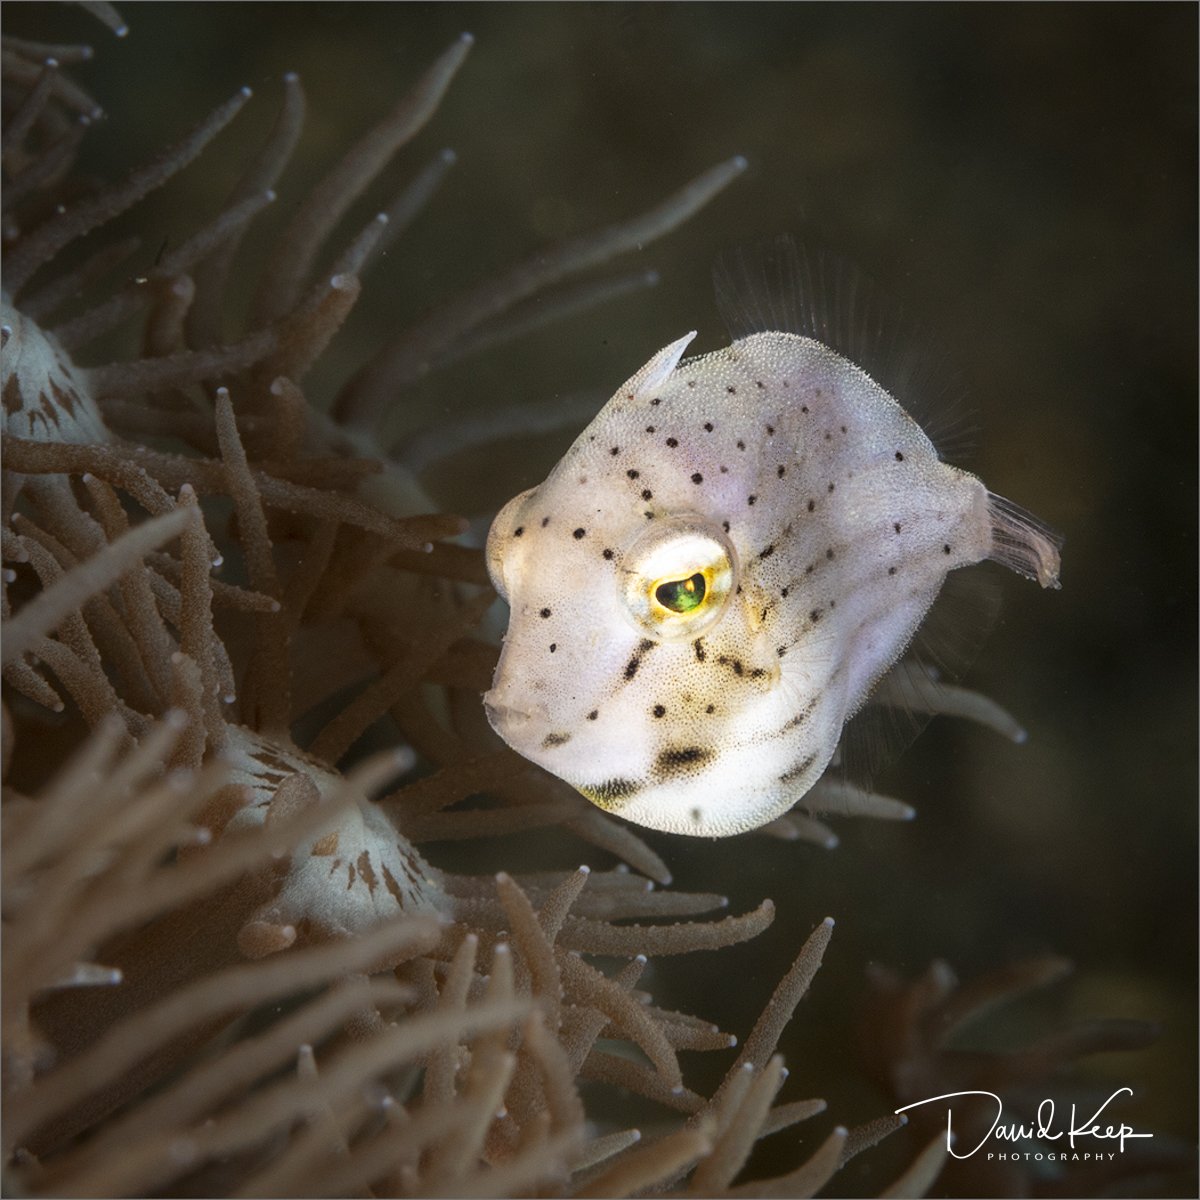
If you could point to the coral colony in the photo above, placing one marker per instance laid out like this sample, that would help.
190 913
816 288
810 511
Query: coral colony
229 966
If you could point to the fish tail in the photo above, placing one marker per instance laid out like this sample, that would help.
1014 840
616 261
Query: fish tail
1022 543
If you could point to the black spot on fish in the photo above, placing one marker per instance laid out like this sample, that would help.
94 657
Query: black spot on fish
945 549
896 527
611 792
697 478
811 505
593 714
615 450
698 646
545 522
545 613
779 470
555 739
757 673
578 534
649 428
608 554
647 494
750 500
899 456
672 442
798 770
679 758
632 474
891 570
553 647
829 553
741 445
710 709
659 711
731 390
815 614
520 529
767 552
708 427
631 667
770 431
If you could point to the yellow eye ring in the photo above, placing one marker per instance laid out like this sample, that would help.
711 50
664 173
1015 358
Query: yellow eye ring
677 578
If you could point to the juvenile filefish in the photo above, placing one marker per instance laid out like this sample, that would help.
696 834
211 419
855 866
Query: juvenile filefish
717 573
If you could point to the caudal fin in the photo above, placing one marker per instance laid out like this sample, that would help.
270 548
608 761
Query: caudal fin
1022 543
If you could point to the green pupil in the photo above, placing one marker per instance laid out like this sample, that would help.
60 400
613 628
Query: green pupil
681 595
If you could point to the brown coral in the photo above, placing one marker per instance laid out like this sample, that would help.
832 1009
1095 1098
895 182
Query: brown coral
442 1026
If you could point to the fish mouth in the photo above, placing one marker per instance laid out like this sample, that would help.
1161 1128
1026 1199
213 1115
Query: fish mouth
516 725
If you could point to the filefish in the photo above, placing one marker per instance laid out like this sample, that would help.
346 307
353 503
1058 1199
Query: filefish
718 572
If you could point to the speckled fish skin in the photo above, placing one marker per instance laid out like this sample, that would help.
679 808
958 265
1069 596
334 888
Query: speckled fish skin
816 524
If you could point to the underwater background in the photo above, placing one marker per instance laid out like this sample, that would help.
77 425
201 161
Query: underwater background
1022 179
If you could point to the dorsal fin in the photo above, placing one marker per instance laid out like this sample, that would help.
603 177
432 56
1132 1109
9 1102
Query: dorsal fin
779 284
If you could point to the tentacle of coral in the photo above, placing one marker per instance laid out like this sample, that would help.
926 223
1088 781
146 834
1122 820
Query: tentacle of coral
594 827
236 988
268 677
52 606
805 1180
798 827
442 1067
53 295
55 819
362 404
225 227
739 1132
22 678
208 478
598 937
400 680
169 304
304 333
26 116
64 89
106 462
639 1170
835 797
149 634
106 14
49 167
65 53
175 370
624 1012
205 320
43 244
328 201
538 964
345 1074
912 686
921 1174
764 1037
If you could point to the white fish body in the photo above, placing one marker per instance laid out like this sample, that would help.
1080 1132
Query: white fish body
718 572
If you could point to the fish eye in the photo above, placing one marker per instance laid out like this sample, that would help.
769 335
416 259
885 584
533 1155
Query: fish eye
677 578
682 595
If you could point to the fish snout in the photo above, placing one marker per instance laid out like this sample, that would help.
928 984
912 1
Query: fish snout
514 718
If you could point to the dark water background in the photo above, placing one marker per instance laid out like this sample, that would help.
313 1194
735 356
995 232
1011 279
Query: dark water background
1023 179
